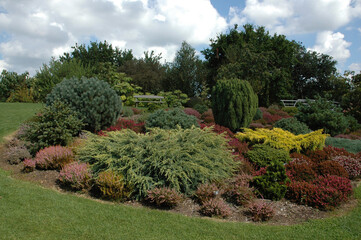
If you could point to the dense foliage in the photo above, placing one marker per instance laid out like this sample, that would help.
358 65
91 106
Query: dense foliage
95 101
292 125
280 139
262 155
56 124
180 159
234 103
170 119
322 113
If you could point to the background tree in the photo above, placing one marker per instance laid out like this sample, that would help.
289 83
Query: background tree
186 73
147 72
351 101
11 82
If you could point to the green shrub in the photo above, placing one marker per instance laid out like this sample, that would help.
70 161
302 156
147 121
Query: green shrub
55 125
323 114
263 155
170 119
97 103
175 98
180 158
272 185
292 125
234 103
353 146
201 108
353 125
258 115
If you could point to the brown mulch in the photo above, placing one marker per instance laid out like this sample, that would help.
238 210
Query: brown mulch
286 212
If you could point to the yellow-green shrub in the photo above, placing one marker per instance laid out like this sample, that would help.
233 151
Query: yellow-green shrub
281 139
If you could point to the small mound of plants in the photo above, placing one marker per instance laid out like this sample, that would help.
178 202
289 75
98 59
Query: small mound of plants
53 157
170 119
164 197
180 158
75 176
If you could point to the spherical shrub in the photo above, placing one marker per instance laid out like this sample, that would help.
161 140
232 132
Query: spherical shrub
127 112
323 114
164 197
75 176
178 158
330 167
192 112
292 125
29 165
341 184
206 191
111 186
262 155
170 119
260 211
351 164
97 104
215 207
298 170
55 125
53 157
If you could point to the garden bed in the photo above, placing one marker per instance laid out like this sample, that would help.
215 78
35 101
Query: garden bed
286 212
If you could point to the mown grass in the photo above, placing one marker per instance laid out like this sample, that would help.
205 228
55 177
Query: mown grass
353 146
28 211
12 114
31 212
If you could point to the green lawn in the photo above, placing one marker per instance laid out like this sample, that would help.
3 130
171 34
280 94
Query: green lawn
12 114
28 211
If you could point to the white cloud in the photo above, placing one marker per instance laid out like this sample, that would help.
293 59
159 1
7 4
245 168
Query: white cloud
332 44
356 67
295 17
41 29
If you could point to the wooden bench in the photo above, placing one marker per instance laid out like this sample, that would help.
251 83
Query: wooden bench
148 99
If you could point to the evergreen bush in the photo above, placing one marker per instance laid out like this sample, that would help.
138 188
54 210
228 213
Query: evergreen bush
179 158
263 155
170 119
323 114
234 103
56 124
292 125
97 104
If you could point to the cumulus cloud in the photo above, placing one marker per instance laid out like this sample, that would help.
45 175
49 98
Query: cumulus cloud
332 44
294 17
41 29
356 67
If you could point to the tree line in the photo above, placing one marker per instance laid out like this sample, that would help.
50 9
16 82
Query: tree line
276 68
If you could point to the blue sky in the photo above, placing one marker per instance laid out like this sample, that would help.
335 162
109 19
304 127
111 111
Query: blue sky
32 31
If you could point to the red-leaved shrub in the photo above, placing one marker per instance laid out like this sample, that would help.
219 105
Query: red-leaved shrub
218 129
330 167
164 197
300 170
318 156
75 175
53 157
206 191
215 207
124 123
339 183
260 172
238 146
260 211
237 190
193 112
136 111
351 164
207 116
29 165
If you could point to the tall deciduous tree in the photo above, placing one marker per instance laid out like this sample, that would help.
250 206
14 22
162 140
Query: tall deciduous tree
10 82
